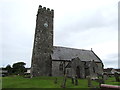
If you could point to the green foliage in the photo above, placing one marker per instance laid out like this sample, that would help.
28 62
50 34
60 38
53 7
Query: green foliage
19 68
9 69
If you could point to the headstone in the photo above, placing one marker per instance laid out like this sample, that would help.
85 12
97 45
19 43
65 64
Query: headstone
105 76
89 81
55 81
100 79
72 80
76 80
31 76
64 82
117 77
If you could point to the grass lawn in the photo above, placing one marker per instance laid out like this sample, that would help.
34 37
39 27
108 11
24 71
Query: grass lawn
47 82
112 81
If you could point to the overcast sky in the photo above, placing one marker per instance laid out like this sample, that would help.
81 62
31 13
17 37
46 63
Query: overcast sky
82 24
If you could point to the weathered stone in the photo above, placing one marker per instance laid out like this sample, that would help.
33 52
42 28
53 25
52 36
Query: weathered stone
43 44
105 76
89 81
76 80
49 60
77 68
55 81
100 79
116 77
72 79
64 82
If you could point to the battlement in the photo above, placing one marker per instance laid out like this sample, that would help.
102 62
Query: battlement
45 10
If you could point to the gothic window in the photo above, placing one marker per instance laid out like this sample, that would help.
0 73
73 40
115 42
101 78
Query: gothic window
61 66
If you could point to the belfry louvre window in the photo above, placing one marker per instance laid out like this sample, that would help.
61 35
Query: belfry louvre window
61 66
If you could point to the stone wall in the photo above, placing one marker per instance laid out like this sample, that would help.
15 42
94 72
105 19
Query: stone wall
43 43
100 68
56 71
93 69
76 63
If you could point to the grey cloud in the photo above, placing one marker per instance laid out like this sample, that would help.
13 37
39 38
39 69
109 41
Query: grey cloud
96 20
112 60
18 26
90 20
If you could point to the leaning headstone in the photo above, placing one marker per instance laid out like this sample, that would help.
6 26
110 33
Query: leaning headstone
55 81
89 81
116 77
76 80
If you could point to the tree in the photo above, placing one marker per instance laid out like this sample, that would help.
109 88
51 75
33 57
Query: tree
9 69
19 68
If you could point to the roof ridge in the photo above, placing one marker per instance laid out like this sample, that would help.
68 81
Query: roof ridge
70 48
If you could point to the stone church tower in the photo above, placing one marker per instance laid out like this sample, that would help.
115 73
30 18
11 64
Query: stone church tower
43 43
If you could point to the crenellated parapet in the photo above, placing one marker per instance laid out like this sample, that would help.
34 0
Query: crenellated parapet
46 11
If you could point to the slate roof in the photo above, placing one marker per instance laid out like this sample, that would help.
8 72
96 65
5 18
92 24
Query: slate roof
63 53
107 69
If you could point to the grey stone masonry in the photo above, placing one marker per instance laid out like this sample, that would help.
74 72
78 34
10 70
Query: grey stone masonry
49 60
43 43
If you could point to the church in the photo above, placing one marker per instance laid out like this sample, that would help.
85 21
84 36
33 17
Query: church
49 60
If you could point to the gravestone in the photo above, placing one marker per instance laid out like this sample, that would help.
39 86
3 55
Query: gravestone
55 81
64 82
76 80
116 77
100 79
72 79
89 81
105 76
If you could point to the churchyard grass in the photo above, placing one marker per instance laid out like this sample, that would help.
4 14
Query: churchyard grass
48 82
112 81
